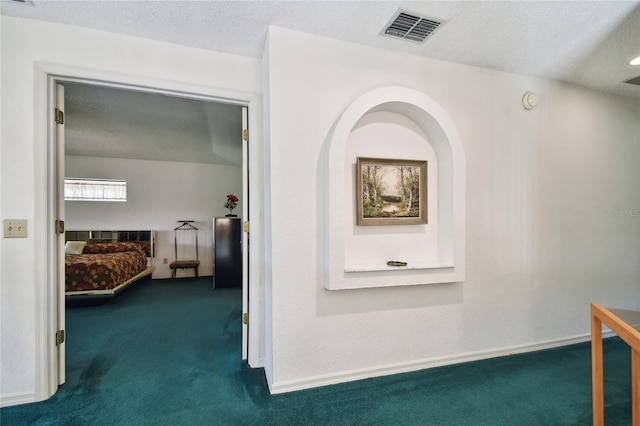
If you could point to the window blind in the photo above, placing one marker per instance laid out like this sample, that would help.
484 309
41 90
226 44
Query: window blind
110 190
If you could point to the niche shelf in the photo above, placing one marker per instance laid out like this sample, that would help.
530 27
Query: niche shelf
440 247
411 266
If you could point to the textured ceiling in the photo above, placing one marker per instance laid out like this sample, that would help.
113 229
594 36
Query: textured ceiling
588 43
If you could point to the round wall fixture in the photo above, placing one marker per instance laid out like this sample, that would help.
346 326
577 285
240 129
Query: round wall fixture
529 100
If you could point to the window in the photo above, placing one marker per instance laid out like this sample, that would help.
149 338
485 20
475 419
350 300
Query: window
111 190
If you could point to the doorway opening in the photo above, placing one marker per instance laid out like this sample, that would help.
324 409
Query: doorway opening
57 170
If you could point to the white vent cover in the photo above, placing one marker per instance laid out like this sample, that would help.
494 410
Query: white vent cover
409 26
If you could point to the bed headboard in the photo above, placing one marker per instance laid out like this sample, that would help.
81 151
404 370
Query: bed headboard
145 238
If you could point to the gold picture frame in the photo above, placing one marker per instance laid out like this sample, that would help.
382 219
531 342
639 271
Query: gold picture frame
391 192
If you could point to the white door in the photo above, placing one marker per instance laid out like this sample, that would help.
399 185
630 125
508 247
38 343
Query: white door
59 200
245 234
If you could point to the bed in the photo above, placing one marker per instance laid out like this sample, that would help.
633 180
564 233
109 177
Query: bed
103 263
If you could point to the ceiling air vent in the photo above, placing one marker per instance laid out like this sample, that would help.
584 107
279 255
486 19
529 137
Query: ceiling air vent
409 26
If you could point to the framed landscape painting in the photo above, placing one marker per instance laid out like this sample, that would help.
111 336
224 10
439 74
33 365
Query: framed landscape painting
391 192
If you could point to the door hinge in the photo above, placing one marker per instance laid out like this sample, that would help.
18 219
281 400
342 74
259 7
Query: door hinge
59 227
245 135
246 226
245 318
59 337
59 116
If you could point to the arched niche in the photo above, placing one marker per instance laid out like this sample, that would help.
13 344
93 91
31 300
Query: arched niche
413 111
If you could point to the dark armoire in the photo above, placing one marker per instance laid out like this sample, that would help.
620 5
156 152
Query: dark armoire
227 252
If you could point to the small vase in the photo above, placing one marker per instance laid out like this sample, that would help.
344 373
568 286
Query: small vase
231 214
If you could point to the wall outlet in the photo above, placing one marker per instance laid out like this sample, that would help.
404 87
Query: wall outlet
15 228
165 260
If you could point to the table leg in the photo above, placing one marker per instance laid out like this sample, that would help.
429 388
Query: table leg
635 387
597 373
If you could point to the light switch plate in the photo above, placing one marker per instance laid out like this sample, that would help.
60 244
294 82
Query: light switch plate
15 228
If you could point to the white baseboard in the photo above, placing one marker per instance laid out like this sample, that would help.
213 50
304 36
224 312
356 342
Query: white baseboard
406 367
11 399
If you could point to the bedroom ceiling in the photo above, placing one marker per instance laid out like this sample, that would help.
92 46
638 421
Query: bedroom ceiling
587 43
117 123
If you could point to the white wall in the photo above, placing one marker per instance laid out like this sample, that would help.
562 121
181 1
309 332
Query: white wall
541 239
27 48
158 194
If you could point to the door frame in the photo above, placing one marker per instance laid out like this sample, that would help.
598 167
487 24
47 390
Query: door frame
46 77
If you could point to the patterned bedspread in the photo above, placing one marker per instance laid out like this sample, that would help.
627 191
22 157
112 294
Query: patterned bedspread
103 266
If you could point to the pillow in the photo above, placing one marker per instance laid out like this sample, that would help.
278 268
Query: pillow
74 247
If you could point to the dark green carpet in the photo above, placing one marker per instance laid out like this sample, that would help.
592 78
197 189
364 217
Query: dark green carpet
168 353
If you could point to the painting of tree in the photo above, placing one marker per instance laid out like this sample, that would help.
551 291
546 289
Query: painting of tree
391 192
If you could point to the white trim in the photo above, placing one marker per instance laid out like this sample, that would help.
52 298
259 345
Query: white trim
17 398
46 301
259 363
256 218
406 367
409 267
46 371
245 237
269 374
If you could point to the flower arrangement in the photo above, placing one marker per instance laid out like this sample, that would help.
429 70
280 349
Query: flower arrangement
231 203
